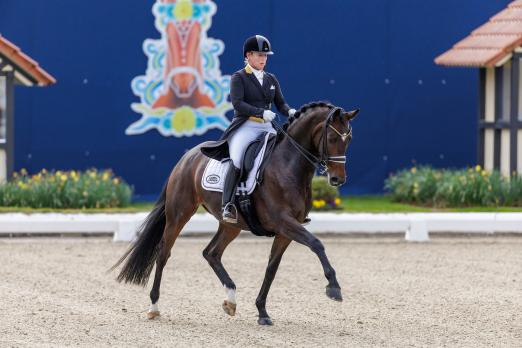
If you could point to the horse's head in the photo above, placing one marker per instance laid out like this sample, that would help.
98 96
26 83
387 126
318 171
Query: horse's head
329 134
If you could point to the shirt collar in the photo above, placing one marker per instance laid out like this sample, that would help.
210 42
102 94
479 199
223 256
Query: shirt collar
258 73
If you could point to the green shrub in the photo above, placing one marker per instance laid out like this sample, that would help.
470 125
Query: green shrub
455 188
324 195
65 190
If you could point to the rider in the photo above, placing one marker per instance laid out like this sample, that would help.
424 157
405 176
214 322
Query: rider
252 91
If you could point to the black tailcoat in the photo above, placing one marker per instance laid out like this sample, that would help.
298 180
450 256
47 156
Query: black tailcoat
249 98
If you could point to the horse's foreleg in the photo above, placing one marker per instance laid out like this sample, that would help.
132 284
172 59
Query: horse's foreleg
293 230
278 248
213 253
173 227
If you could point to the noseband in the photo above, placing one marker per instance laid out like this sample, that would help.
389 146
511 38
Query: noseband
321 162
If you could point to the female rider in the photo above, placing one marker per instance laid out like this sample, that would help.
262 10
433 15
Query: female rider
252 92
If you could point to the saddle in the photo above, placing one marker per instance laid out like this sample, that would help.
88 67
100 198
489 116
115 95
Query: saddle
255 159
244 201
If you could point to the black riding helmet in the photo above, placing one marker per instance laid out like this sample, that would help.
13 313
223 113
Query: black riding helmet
257 43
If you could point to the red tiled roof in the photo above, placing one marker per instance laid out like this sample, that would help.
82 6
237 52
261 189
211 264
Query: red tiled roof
25 63
490 43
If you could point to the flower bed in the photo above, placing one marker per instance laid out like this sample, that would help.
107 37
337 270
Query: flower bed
65 190
455 188
324 196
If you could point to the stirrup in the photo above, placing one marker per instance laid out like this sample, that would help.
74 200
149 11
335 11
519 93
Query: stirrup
233 209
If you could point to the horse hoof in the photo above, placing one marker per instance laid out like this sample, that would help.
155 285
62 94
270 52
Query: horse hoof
334 294
229 308
153 314
265 321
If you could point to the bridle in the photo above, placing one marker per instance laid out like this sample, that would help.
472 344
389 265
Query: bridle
320 163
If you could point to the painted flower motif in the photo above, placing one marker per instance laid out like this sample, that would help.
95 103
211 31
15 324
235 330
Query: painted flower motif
183 120
183 10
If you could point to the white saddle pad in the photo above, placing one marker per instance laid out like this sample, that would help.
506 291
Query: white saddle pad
213 178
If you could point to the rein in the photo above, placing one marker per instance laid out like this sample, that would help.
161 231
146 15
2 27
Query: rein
320 163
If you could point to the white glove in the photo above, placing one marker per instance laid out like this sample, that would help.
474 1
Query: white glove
268 115
291 112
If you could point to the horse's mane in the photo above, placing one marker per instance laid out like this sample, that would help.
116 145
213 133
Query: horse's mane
304 108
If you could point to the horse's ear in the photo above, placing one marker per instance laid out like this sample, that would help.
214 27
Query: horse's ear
350 115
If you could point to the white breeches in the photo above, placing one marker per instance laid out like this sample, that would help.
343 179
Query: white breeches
243 136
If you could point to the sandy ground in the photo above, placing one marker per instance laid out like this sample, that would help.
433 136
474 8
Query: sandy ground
450 292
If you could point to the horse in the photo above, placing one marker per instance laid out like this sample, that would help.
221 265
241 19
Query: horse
281 202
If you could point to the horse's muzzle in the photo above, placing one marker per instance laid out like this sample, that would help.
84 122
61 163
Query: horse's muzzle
335 181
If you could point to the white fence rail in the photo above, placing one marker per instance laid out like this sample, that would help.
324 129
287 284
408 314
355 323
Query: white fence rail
415 226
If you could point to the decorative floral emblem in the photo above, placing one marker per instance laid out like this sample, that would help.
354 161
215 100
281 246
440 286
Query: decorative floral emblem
182 92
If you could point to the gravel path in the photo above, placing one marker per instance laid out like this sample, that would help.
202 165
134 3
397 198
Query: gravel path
450 292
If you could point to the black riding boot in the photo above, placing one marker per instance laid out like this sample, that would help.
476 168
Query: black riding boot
229 191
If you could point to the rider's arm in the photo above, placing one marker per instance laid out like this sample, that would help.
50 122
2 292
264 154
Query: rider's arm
279 100
237 95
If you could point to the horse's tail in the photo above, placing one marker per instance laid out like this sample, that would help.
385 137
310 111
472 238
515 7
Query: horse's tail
144 251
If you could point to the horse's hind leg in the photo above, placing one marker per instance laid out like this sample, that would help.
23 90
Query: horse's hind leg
176 217
213 253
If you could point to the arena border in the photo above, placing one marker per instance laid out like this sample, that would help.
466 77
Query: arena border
416 227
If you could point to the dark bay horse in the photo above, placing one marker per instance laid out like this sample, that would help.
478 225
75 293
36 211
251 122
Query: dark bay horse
317 136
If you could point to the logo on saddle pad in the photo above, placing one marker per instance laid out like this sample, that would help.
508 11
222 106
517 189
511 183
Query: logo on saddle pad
213 179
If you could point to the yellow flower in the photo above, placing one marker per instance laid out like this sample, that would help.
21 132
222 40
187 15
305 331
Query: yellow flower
337 201
105 176
63 177
44 171
316 204
115 181
85 193
415 185
92 175
484 173
490 188
183 120
413 170
478 168
23 172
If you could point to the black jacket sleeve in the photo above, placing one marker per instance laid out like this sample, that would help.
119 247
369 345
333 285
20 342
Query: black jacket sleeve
279 100
237 95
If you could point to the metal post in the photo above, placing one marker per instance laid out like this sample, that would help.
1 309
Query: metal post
9 95
499 90
514 126
481 133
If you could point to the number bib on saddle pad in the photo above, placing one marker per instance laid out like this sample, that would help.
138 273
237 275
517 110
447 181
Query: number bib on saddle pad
214 176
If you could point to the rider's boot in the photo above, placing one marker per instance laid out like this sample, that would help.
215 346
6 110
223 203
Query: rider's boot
229 191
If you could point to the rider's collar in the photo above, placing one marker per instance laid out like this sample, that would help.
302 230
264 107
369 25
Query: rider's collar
249 70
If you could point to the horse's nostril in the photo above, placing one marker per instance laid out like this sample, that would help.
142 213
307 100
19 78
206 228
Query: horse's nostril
334 180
